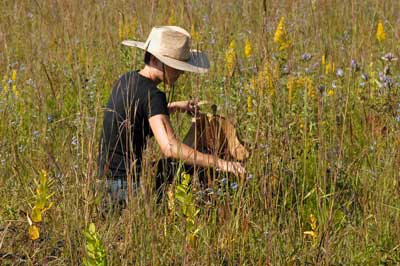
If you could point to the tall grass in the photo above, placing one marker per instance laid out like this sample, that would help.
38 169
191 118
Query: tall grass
325 143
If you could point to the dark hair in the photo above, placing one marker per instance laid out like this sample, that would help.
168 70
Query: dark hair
147 56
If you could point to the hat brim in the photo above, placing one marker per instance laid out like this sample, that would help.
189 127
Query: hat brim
197 62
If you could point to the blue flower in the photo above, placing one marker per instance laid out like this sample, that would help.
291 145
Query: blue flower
234 186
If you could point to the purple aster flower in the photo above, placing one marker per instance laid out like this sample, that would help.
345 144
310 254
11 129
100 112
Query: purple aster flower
306 57
234 186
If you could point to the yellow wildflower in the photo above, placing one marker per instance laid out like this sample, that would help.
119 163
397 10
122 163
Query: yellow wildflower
230 57
249 104
290 85
380 32
36 214
14 75
280 36
323 60
33 232
313 232
14 88
331 92
247 49
329 68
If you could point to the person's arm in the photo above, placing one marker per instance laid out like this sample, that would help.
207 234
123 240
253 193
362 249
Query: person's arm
190 106
173 148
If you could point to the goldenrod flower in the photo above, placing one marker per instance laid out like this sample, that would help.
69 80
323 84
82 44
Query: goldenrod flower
329 68
14 75
249 104
14 88
290 85
313 232
230 57
380 32
280 36
247 49
33 232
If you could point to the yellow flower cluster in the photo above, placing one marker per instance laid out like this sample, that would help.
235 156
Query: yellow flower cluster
249 104
314 227
263 83
41 204
247 49
5 83
230 58
380 32
329 67
127 29
281 36
302 82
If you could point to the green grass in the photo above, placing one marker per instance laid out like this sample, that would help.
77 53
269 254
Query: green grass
324 146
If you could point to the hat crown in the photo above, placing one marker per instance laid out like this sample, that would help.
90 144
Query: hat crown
169 41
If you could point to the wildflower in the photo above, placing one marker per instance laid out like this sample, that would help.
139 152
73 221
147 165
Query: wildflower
389 57
313 232
329 68
230 57
380 32
14 75
280 36
249 104
331 92
339 73
234 186
33 232
14 89
247 49
306 57
398 118
323 60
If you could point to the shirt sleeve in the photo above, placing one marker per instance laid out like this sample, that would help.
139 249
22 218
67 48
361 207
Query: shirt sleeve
157 103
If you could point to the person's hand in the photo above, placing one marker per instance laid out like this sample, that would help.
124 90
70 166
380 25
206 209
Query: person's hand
191 106
235 168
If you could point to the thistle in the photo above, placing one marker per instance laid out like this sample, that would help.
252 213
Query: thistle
380 32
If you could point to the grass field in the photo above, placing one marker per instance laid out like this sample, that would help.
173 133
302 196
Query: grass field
313 85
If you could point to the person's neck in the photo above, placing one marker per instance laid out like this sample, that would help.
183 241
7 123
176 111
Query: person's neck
149 73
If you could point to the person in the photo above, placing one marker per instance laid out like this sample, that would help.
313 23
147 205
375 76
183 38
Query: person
137 110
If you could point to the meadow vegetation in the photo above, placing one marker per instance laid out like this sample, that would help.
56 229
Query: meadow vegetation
314 88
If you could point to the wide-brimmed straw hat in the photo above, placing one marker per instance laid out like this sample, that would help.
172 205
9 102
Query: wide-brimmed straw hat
171 45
